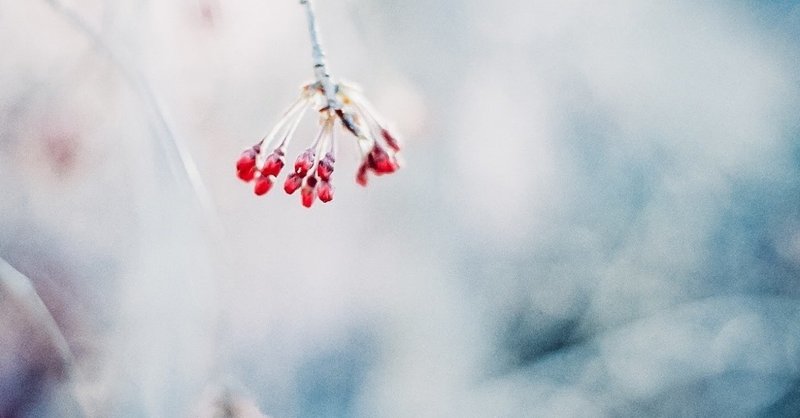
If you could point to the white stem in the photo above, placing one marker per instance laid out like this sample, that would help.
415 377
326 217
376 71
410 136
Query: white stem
291 114
320 67
287 136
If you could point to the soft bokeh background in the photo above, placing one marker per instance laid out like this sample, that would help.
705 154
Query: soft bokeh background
599 214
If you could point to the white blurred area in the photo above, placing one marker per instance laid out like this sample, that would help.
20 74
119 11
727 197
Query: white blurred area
598 213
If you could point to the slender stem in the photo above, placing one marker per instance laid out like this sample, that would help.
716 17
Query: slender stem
320 143
333 146
320 67
287 136
291 114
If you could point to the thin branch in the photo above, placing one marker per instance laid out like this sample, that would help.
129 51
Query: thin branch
20 289
181 164
173 147
318 56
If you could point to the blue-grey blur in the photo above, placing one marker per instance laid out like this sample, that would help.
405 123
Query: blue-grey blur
598 213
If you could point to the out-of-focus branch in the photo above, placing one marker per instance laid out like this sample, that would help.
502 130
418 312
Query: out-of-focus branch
185 170
19 289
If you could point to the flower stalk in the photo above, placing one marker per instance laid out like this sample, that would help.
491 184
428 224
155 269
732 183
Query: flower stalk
321 73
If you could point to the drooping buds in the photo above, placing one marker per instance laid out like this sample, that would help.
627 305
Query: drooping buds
293 182
309 192
380 162
263 185
246 165
325 191
361 175
325 167
304 162
274 163
313 169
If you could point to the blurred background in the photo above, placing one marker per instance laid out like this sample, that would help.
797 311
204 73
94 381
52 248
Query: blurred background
598 216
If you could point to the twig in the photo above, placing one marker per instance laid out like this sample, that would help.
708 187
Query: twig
321 73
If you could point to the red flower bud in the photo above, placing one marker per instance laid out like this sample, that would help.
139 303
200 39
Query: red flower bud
293 182
246 165
361 175
380 162
325 167
304 162
325 191
247 175
263 185
274 163
309 191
